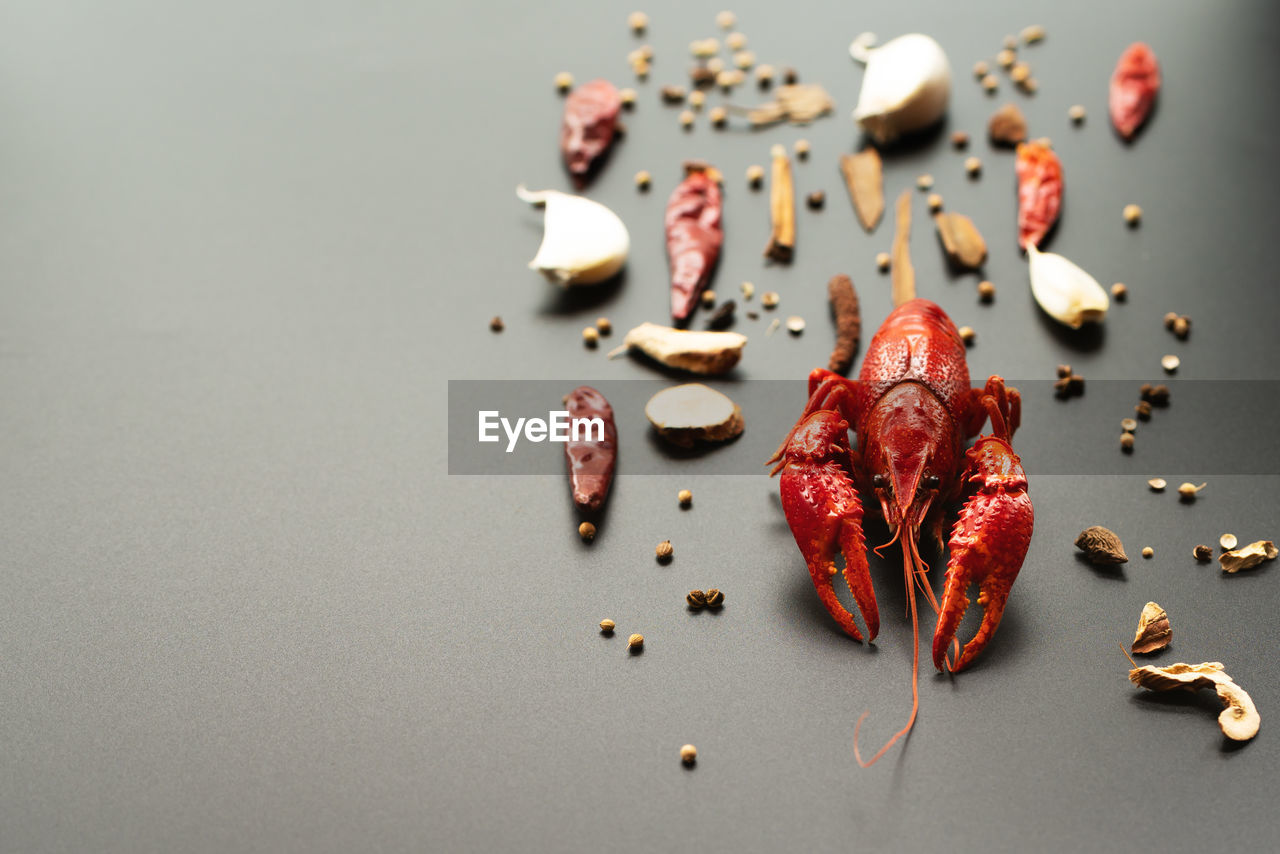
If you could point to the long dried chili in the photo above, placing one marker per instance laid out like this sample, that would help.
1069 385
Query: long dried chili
1134 86
588 128
591 460
694 236
1039 191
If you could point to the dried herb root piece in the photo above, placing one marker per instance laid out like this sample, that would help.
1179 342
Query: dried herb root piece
844 304
864 176
705 353
782 208
961 240
1154 632
1101 546
904 275
690 413
1247 557
1239 719
591 461
1007 126
797 103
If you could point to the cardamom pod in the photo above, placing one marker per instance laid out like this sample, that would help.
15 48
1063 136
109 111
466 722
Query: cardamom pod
1101 546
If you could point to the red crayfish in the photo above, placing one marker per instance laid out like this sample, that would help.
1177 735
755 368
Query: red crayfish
913 410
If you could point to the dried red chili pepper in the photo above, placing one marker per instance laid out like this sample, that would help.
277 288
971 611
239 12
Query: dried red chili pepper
590 121
591 461
694 235
1039 191
1134 85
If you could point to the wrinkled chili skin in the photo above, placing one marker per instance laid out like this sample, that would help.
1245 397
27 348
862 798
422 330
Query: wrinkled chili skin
590 463
1134 86
589 125
1039 174
694 237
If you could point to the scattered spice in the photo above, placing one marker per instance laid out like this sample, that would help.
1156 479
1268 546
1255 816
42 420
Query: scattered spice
697 599
590 337
1069 386
816 200
1032 34
981 69
607 626
735 41
883 261
1147 551
755 176
924 182
1239 719
782 209
991 83
1227 542
1006 58
790 76
1170 318
686 119
697 98
714 598
604 326
688 754
770 299
844 304
1189 491
588 127
1128 425
564 81
1132 214
764 76
934 201
628 98
708 298
1020 73
1202 552
864 176
1039 192
973 166
1007 126
967 335
1155 395
723 317
960 139
702 76
590 463
1101 546
672 94
635 644
1076 113
637 21
1181 326
1134 86
799 104
1157 484
726 20
802 148
1119 292
1248 557
1126 442
1143 410
696 352
719 116
587 531
744 59
773 326
795 324
703 48
685 414
986 291
685 497
1170 363
664 551
1010 43
643 179
1064 370
496 324
1154 632
694 235
748 290
961 240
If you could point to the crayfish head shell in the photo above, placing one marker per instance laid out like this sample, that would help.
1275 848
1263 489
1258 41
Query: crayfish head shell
910 451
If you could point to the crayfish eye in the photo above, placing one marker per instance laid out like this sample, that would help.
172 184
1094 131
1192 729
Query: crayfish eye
931 481
878 481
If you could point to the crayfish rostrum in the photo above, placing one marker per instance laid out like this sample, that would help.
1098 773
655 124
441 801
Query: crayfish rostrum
913 411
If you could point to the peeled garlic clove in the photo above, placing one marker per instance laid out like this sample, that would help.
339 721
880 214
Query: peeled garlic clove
905 87
1067 293
583 242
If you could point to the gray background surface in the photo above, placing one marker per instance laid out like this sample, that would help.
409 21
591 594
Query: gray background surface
244 607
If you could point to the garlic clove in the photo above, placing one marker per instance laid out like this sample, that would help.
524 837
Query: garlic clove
1066 293
905 87
583 242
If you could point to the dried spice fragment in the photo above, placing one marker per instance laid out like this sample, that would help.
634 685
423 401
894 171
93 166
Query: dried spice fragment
696 599
690 413
588 127
723 317
961 239
1134 86
591 463
904 275
696 352
844 304
1008 126
1154 632
798 103
1247 557
715 598
864 176
1101 546
782 208
1239 720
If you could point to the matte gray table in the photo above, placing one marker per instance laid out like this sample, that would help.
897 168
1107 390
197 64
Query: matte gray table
244 606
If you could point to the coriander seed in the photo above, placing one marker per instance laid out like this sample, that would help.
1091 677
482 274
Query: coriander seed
1128 425
1119 292
1228 542
643 179
735 41
1132 214
1006 58
708 298
924 181
1147 551
987 292
802 148
496 324
688 754
981 69
1188 491
719 116
1020 73
770 299
685 497
587 531
607 626
564 81
744 59
1126 441
1170 363
1076 113
816 200
967 335
883 260
973 166
635 643
1182 326
1202 552
686 119
764 76
1170 318
935 202
726 20
590 337
628 97
755 176
672 94
715 65
1010 43
664 551
1143 410
697 98
603 325
638 22
960 139
795 324
1064 370
991 83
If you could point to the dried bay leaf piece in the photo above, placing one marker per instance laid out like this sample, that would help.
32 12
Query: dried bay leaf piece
961 239
864 176
690 413
1154 632
696 352
1101 546
1248 557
